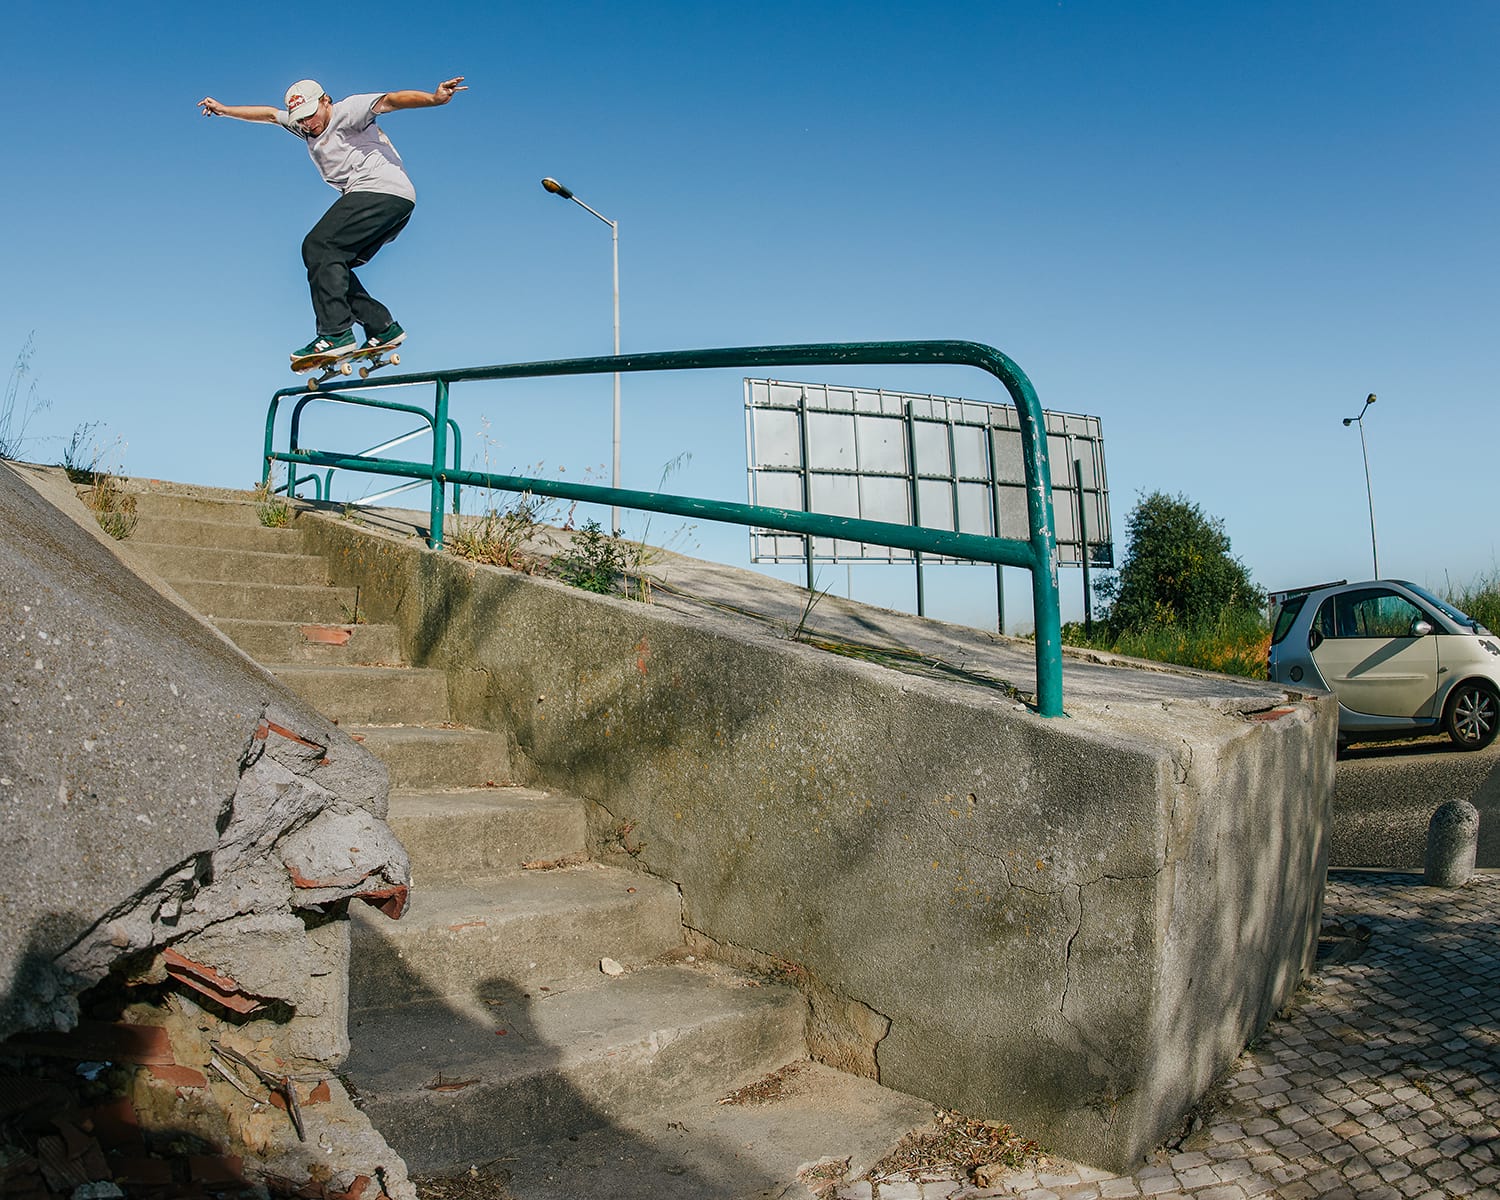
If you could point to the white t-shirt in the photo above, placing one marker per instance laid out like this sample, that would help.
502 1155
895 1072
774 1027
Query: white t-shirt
353 154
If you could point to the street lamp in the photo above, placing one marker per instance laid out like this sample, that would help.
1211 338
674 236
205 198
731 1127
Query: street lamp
558 189
1370 495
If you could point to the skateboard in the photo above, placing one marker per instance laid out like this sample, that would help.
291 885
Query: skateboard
343 364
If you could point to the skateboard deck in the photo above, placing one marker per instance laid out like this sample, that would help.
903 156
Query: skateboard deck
343 364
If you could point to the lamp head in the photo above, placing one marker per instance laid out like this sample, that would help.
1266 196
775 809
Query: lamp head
1370 399
1348 420
557 189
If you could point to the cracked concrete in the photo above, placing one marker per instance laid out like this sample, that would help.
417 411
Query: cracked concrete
174 816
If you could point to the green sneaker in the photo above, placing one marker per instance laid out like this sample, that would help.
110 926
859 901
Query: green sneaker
334 343
391 335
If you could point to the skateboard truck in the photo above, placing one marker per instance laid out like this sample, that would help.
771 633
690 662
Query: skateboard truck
343 364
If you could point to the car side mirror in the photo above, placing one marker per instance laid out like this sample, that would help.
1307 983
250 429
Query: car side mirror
1314 639
1420 628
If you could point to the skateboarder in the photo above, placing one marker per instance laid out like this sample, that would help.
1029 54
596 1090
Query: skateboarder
375 202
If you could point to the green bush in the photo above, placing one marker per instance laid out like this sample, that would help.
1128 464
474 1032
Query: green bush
1480 599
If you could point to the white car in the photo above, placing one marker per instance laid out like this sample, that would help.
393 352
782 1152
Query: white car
1401 662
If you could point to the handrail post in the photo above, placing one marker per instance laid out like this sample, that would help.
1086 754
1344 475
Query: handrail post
439 463
1046 611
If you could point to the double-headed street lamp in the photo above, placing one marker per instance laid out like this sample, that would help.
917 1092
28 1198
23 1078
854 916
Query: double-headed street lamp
558 189
1369 494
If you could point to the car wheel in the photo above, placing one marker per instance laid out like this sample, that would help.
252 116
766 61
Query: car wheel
1473 716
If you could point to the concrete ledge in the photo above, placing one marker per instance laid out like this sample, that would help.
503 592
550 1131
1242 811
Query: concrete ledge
1073 925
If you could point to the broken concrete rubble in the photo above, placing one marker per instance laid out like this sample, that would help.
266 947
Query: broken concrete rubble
179 823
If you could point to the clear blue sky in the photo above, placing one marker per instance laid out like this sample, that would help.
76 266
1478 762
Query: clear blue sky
1217 227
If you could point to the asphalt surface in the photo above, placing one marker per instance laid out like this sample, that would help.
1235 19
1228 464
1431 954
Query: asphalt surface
1385 793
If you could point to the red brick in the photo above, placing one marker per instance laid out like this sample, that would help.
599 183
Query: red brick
213 984
115 1124
102 1041
181 1076
328 635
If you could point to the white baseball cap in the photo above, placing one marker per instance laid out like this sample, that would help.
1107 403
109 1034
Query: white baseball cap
302 98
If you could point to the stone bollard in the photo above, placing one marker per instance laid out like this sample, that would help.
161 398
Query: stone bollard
1452 842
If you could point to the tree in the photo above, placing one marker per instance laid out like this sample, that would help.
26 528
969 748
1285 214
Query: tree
1178 569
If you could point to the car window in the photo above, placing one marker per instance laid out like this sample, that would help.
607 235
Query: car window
1286 615
1455 615
1368 613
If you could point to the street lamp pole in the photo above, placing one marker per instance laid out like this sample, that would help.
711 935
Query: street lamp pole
558 189
1369 493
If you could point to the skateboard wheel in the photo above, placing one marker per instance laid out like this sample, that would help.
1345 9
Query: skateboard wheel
364 372
346 367
312 385
395 360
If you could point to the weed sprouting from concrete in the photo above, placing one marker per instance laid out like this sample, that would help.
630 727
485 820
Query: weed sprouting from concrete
274 511
353 616
593 562
18 406
799 631
113 507
498 536
105 496
80 457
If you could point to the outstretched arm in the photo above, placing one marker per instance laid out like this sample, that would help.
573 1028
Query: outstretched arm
391 101
241 112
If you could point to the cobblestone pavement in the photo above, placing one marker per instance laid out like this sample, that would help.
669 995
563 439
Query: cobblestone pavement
1382 1082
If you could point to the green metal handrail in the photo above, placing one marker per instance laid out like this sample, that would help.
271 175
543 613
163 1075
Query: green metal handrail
323 489
1038 553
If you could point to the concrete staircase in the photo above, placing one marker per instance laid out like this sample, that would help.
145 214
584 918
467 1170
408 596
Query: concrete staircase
484 1029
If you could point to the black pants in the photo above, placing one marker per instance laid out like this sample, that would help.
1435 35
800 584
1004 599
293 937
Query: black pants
347 236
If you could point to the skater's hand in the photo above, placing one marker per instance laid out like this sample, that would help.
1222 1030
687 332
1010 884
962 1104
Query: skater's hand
211 107
392 101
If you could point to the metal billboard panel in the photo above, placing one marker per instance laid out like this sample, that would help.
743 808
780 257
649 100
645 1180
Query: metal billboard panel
909 459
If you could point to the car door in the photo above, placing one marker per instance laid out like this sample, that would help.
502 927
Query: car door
1366 647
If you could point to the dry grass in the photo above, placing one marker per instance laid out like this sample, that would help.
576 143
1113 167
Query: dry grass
763 1091
488 1181
957 1144
113 507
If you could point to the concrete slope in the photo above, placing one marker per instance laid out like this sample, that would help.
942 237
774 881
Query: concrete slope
483 1023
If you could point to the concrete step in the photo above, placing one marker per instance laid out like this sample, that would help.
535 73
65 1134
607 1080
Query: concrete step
528 930
712 1151
423 757
448 1088
231 508
369 695
476 831
231 565
296 641
194 531
268 601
